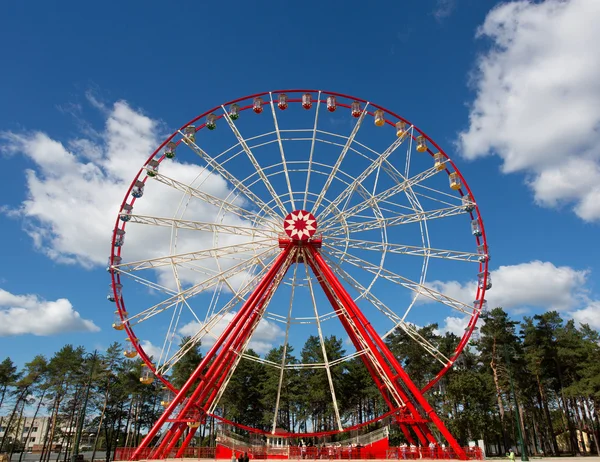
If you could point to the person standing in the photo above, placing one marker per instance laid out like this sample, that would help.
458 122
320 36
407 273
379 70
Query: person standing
413 451
432 450
511 455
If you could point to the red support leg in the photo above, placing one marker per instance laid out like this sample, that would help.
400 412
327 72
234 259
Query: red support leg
210 375
341 296
164 442
226 337
349 304
407 434
188 439
176 436
427 433
218 370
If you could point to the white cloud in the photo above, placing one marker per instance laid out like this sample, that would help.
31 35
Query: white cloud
151 350
588 315
518 288
534 284
265 337
76 187
29 314
537 103
454 325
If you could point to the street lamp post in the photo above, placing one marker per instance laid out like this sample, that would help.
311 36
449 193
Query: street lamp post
514 395
75 453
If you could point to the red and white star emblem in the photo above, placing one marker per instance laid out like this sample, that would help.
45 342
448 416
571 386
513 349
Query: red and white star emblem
300 225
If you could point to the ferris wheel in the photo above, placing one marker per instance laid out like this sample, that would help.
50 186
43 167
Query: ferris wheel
289 215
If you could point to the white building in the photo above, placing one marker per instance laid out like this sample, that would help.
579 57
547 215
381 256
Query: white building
30 432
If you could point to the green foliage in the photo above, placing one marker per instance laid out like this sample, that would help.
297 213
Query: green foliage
242 398
184 368
554 366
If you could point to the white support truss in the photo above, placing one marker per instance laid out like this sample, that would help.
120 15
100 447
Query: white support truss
400 219
218 252
203 226
237 184
338 162
197 288
218 202
419 289
404 249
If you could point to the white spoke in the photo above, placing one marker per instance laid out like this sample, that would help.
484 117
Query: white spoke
283 161
312 150
237 184
323 349
408 152
338 162
285 344
203 226
255 163
170 334
341 309
214 200
400 187
391 221
405 249
150 284
408 328
375 164
197 288
388 275
213 320
218 252
240 352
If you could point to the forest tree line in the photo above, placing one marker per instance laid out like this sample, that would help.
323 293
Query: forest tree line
554 367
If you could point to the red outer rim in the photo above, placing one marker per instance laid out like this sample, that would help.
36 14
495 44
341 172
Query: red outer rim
483 267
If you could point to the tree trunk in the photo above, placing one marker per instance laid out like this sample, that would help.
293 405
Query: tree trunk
576 411
37 409
17 430
501 409
536 439
524 431
118 431
549 427
572 432
590 418
72 421
57 401
45 448
127 421
100 423
108 440
10 422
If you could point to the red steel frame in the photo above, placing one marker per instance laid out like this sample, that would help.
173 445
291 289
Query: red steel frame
411 409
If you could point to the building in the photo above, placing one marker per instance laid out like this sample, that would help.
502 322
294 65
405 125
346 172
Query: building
30 431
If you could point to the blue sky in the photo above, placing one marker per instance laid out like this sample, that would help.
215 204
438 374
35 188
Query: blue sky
508 90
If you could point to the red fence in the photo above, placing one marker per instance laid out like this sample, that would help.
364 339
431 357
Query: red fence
189 453
413 453
374 451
